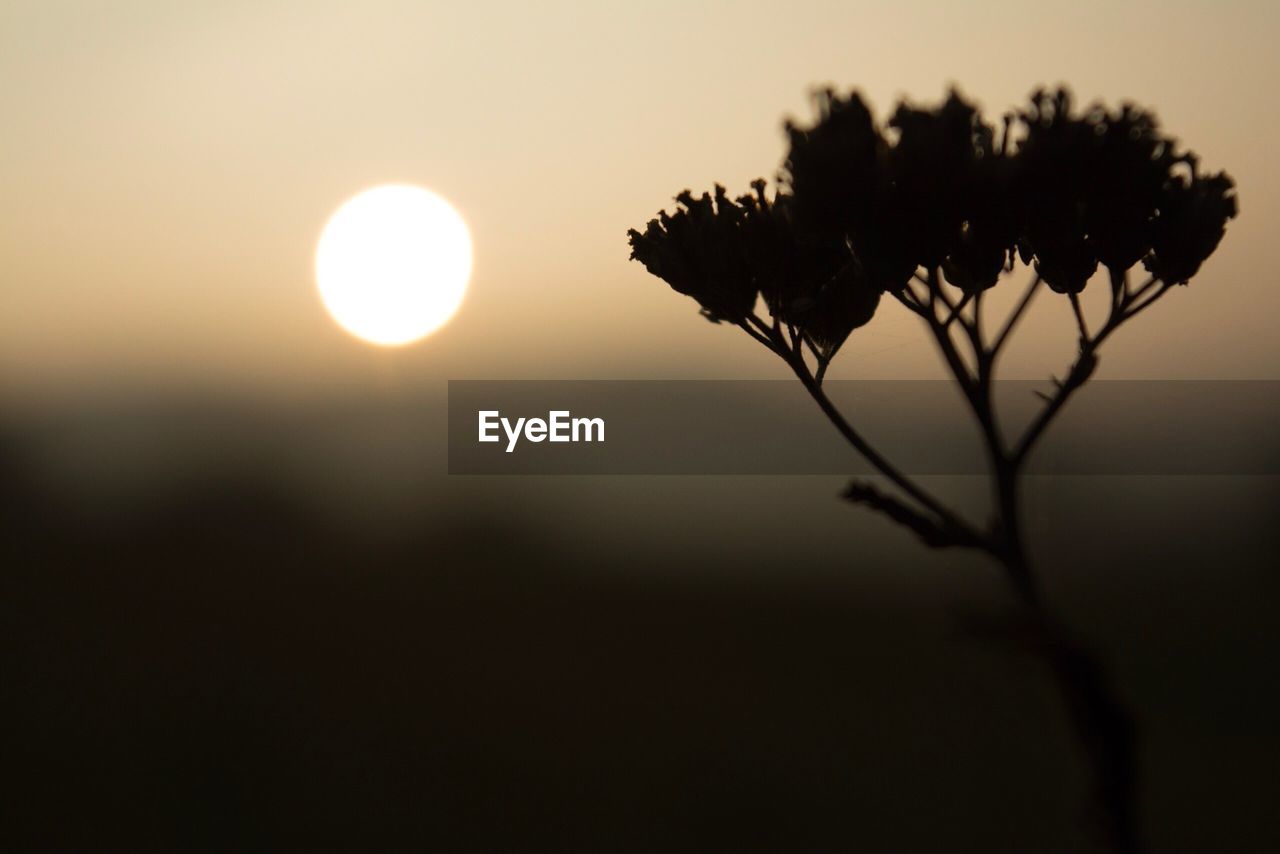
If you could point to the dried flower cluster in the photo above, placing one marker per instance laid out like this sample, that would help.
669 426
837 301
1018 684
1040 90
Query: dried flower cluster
932 210
861 208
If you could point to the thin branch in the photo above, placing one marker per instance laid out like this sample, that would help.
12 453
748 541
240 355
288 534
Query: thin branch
908 299
1081 370
756 335
981 356
956 528
942 336
1016 315
955 312
1119 289
1130 299
977 314
759 324
1083 367
936 289
1075 307
948 519
813 346
976 386
925 300
1133 309
928 530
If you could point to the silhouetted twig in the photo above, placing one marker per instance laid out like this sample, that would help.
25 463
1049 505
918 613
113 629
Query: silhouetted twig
941 200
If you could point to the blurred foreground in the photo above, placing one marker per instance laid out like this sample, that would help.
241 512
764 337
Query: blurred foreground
282 627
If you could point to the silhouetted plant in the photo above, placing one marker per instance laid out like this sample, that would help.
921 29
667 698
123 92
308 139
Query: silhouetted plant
933 210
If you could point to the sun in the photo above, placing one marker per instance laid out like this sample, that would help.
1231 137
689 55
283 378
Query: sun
393 263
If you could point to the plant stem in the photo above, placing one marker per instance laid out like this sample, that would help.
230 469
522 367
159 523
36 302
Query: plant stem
1124 309
1079 312
879 462
1011 547
1017 313
1100 721
1104 727
793 355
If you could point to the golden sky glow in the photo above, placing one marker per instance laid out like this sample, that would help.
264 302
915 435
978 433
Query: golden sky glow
165 169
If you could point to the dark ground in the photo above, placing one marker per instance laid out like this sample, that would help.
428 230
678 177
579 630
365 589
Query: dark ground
220 666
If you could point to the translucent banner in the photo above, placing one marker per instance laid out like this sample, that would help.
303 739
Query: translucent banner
775 427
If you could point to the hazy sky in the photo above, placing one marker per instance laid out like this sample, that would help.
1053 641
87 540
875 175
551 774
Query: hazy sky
165 170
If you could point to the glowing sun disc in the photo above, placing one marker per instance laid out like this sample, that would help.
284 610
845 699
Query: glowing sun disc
393 263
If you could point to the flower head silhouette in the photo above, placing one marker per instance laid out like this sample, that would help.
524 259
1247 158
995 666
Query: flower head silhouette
941 189
1190 223
699 250
934 210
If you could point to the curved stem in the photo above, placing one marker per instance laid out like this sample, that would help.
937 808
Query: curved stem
878 461
1106 730
773 338
1133 306
1104 727
1079 312
1017 314
756 335
1012 548
1082 368
955 312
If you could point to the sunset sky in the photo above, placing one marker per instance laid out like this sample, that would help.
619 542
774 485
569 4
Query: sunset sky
167 168
251 599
